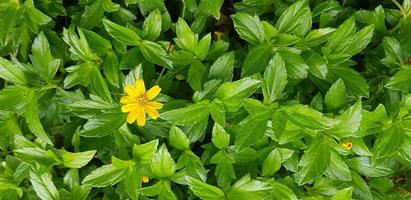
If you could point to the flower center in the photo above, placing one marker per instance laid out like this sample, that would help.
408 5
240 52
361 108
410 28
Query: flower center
142 100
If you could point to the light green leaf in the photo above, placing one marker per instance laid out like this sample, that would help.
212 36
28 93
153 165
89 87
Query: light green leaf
220 138
163 165
178 138
205 191
336 97
249 28
121 33
272 163
222 68
78 159
11 73
313 163
188 115
44 186
105 175
274 80
152 25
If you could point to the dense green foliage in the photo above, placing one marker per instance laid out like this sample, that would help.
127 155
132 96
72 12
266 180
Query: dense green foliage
263 99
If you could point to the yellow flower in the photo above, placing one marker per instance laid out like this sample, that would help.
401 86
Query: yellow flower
139 102
145 179
347 145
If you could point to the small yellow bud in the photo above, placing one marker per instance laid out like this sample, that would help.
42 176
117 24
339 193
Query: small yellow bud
180 77
145 179
347 145
218 35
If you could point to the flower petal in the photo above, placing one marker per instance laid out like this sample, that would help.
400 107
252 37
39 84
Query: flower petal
140 88
131 91
155 104
153 92
153 113
127 100
141 117
129 107
132 116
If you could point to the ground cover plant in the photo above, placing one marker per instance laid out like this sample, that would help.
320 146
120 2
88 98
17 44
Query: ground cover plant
205 99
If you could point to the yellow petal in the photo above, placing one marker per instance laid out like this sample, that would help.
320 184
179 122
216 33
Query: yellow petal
153 113
131 91
129 107
153 92
132 116
155 104
141 117
140 88
127 100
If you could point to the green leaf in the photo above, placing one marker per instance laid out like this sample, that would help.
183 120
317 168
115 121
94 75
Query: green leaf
178 138
11 73
152 25
296 19
336 96
37 156
44 186
98 85
350 122
222 68
78 159
317 37
33 120
205 191
196 74
105 175
186 38
295 65
14 98
360 187
393 52
388 143
111 68
132 182
274 80
245 188
313 163
401 80
341 39
42 59
306 117
249 28
344 194
203 46
220 138
338 169
163 165
237 89
272 163
79 45
282 191
360 40
224 171
188 115
252 127
210 7
256 59
154 53
353 81
121 33
364 166
143 153
192 165
102 125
